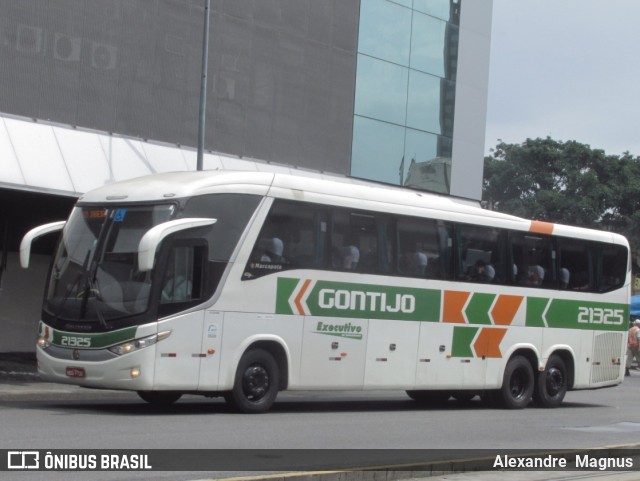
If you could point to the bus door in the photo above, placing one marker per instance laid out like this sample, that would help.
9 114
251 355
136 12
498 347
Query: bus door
178 357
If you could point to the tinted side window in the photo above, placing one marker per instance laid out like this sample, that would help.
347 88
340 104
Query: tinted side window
532 260
576 271
479 254
293 237
421 251
612 267
360 241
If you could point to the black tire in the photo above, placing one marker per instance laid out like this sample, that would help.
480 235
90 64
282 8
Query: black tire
552 384
160 398
432 398
517 384
256 384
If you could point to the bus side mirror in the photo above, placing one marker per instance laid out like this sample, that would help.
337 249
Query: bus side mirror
154 236
25 244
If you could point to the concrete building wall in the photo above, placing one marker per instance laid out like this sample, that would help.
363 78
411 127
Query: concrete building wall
471 99
280 84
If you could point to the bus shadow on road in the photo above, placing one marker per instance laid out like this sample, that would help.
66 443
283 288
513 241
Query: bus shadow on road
193 405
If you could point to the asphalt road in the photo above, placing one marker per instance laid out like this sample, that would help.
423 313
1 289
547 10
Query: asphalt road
44 416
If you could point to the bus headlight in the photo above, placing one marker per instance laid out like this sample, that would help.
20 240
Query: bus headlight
137 344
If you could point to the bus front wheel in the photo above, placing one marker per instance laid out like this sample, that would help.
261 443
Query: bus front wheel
552 383
517 384
256 383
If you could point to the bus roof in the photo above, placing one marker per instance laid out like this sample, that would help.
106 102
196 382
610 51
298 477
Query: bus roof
327 189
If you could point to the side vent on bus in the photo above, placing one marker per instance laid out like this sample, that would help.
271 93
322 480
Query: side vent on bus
607 356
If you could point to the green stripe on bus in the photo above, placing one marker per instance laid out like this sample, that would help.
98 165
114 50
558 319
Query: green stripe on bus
569 314
588 315
370 301
286 287
478 309
350 300
94 340
535 310
374 302
462 338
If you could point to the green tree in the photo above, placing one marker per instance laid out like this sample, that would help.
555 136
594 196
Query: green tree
565 182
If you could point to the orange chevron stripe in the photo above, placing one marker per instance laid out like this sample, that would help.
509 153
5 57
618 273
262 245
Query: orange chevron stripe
505 308
488 342
454 302
298 298
540 227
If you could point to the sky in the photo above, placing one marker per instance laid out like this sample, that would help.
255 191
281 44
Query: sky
567 69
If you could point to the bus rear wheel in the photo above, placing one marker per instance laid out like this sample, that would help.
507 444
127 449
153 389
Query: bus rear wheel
517 384
160 398
552 383
256 383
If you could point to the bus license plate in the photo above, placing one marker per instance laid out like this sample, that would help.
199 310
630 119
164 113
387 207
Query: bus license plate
75 372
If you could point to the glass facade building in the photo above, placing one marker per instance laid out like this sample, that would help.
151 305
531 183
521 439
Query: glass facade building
405 92
93 92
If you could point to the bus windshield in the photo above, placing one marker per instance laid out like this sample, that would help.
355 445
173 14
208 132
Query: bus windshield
94 278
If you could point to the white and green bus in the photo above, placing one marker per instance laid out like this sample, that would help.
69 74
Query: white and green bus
243 284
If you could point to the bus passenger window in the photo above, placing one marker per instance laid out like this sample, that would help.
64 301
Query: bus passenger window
360 241
534 259
480 254
292 237
575 259
613 267
418 248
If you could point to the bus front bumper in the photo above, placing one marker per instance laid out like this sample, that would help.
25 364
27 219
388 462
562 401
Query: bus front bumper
132 372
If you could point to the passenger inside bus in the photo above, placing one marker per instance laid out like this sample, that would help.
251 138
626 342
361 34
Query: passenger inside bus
412 260
482 272
564 278
536 275
273 250
177 285
350 257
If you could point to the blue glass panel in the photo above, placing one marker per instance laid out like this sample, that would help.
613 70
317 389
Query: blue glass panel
406 3
423 106
444 9
428 44
378 150
381 90
385 31
428 164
